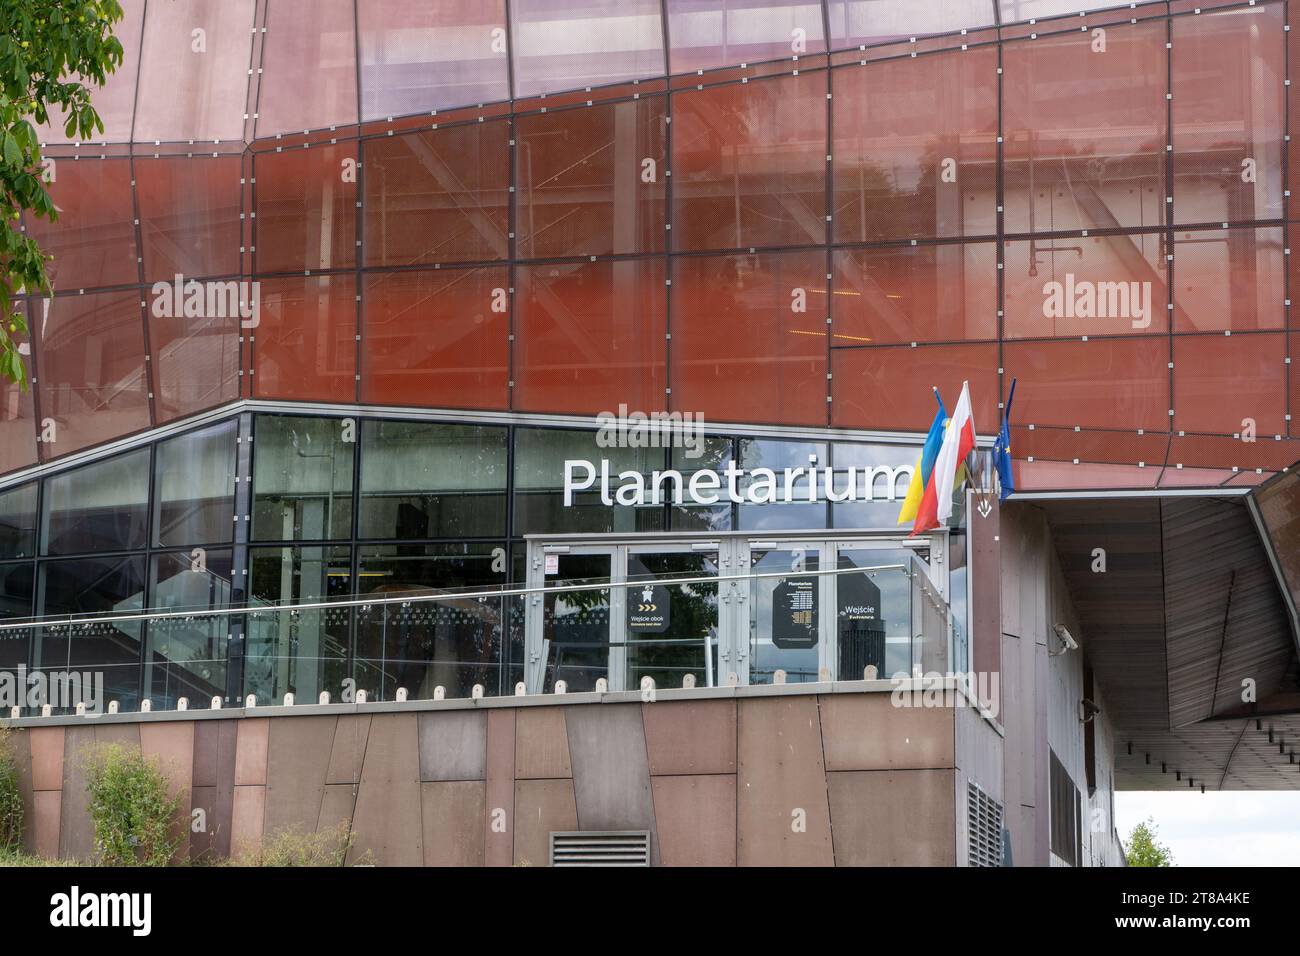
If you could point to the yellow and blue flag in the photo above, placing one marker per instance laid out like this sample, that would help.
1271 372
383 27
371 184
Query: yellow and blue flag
924 464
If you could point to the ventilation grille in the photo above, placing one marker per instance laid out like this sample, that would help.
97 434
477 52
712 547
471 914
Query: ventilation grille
983 827
601 848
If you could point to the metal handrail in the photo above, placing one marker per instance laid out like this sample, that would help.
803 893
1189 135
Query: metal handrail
431 597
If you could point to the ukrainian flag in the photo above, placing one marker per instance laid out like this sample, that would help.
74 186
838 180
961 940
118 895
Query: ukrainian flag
924 464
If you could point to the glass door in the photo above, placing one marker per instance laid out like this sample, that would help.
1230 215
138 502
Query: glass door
787 626
671 630
568 629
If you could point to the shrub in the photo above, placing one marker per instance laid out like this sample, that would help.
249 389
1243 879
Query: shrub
11 798
135 819
292 846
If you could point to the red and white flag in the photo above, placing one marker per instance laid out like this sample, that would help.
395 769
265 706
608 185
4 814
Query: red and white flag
957 444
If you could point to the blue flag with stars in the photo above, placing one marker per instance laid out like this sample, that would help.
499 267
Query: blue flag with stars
1002 451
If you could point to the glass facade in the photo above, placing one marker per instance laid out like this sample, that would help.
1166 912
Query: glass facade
317 509
784 214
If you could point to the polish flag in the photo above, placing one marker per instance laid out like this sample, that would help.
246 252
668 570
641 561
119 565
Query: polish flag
958 442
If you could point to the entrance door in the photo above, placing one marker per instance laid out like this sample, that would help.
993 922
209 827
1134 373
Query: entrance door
734 609
671 630
567 631
787 621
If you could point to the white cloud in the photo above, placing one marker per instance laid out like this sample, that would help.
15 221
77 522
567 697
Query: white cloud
1218 829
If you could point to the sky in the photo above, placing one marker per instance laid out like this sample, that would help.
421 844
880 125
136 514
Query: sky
1218 829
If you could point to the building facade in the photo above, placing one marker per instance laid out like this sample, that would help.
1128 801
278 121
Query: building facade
361 308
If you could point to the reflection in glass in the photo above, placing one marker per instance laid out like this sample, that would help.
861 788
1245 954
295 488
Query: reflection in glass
780 456
572 44
784 614
186 657
15 602
194 487
302 652
540 455
874 613
429 480
100 507
717 456
302 478
575 623
672 630
453 643
90 586
18 522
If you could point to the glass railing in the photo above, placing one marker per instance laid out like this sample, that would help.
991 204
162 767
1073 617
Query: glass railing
660 630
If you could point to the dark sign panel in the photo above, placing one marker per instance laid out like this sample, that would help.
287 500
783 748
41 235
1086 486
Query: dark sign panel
647 610
794 614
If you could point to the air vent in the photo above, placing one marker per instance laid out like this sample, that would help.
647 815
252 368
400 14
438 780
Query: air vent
601 848
983 827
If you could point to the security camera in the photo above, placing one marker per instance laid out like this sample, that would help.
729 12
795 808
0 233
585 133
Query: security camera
1068 643
1088 710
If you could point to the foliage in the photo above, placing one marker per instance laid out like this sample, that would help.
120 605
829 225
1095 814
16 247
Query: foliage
1144 850
11 798
49 51
135 819
292 846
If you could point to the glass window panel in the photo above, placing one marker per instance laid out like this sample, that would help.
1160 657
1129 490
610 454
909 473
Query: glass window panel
1229 279
86 586
305 345
429 480
916 147
581 179
194 487
302 478
778 456
15 603
1093 285
437 338
749 337
540 454
438 196
196 358
1101 383
305 200
1219 381
186 657
93 381
710 33
1228 114
115 100
717 456
749 164
93 241
453 644
303 652
886 388
859 22
99 507
590 336
1085 130
309 67
18 521
915 294
572 44
194 70
189 216
882 510
418 56
17 424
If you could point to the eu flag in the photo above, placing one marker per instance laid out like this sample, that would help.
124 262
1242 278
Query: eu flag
1002 450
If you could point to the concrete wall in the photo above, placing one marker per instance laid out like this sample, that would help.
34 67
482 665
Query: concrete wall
753 776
